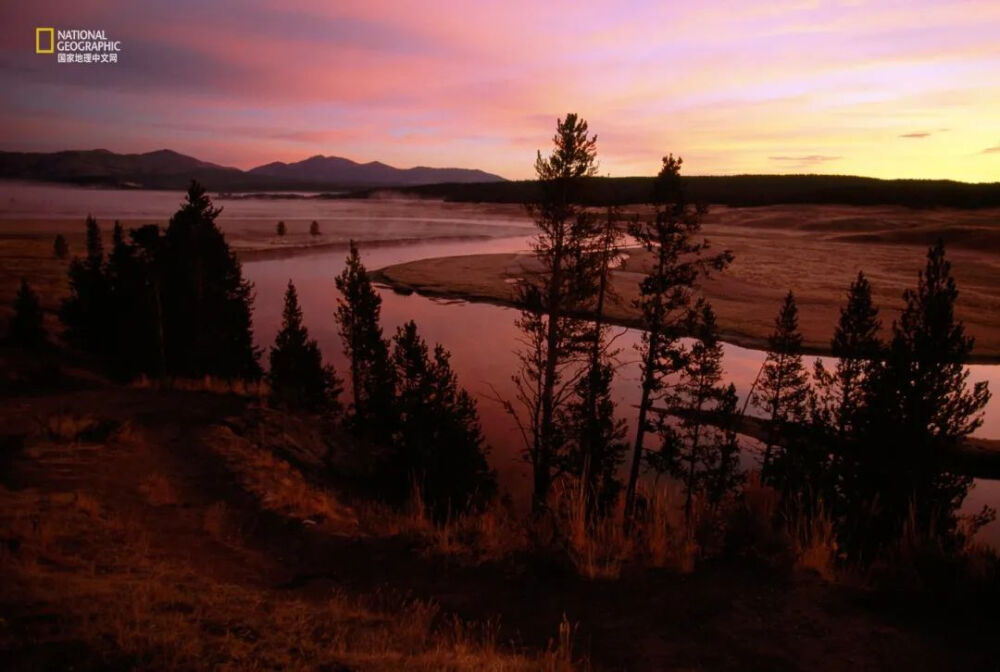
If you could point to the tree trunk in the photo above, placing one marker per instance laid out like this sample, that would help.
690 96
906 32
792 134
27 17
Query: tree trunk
545 447
160 347
640 432
692 459
587 440
644 403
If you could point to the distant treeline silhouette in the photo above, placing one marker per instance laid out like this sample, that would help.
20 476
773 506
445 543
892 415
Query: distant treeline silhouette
736 190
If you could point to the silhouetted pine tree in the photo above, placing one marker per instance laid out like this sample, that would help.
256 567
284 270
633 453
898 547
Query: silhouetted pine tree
439 444
85 312
95 246
723 474
146 273
783 388
919 408
59 247
26 328
372 377
840 399
207 304
699 393
297 376
597 449
665 298
857 347
126 315
563 286
133 276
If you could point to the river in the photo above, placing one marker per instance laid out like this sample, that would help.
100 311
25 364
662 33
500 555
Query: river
482 338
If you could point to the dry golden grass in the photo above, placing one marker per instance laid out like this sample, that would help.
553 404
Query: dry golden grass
158 491
491 534
278 485
85 575
601 546
661 536
598 546
667 539
255 389
69 427
815 543
217 522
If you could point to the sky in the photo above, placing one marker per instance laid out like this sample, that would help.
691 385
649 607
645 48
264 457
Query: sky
907 89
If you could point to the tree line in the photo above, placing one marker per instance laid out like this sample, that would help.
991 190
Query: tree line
734 191
175 303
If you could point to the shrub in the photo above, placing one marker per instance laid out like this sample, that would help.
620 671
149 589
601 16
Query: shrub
59 247
26 327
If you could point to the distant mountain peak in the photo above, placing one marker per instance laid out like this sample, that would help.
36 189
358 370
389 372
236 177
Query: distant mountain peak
337 170
167 168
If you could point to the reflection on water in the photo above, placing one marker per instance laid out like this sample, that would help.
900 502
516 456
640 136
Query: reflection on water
481 338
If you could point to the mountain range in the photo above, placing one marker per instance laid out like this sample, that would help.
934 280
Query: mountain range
167 169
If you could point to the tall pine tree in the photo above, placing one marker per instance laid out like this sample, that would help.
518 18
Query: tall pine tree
86 311
841 398
857 347
439 444
298 378
666 294
783 388
724 475
551 299
597 447
699 397
372 377
207 304
130 320
147 269
919 408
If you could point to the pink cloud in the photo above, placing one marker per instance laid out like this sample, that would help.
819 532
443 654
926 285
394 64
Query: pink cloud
728 84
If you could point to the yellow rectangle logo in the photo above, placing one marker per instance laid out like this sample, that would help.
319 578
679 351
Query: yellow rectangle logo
51 32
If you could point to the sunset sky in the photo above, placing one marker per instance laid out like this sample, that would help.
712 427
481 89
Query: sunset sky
887 89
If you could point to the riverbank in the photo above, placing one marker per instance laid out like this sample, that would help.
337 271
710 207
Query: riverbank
26 241
815 251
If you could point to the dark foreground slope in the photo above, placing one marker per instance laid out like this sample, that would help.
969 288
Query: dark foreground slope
171 529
